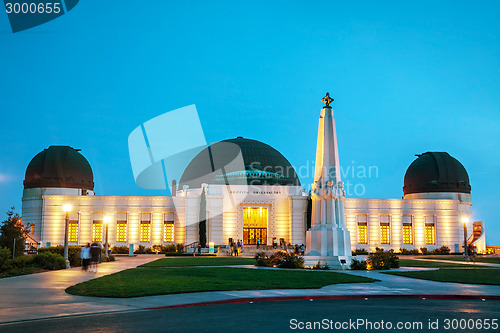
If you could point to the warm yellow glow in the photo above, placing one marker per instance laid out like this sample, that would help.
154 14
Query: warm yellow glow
67 207
362 234
254 225
107 219
73 232
145 232
97 231
385 234
465 219
407 234
430 234
168 232
121 232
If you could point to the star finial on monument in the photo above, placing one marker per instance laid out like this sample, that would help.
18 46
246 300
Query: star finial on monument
327 100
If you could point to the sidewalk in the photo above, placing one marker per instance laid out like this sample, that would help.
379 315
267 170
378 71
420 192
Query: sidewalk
42 295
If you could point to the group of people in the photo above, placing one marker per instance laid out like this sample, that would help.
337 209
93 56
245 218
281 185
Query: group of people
236 247
90 256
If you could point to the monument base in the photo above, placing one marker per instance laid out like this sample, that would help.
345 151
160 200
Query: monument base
333 262
328 245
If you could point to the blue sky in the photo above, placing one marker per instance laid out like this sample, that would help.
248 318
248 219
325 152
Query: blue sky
407 77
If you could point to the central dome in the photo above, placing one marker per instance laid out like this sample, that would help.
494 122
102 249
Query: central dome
262 165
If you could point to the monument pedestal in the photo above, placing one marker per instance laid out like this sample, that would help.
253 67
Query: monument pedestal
328 246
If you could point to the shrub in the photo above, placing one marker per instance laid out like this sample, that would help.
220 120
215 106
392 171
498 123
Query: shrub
120 249
49 260
409 252
381 259
358 265
185 254
281 259
109 258
141 249
321 267
442 250
424 250
73 253
359 251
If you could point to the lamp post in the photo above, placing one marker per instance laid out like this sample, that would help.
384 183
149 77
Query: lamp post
66 208
107 219
465 220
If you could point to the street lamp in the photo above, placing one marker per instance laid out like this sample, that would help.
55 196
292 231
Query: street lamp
107 219
66 208
465 219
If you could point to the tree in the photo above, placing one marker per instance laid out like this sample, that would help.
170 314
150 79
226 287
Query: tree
202 227
12 229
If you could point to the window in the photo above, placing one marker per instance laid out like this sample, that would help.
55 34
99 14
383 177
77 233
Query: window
407 229
168 232
73 231
145 227
168 227
362 229
32 226
97 231
121 227
430 230
385 229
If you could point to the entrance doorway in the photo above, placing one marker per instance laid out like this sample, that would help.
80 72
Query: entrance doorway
254 225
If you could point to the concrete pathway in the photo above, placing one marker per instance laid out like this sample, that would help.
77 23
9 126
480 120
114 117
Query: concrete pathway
42 295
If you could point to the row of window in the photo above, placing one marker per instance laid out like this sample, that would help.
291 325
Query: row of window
385 229
121 231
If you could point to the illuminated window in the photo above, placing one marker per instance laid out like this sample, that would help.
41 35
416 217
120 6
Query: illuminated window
362 221
145 232
97 231
385 229
407 229
73 231
362 235
168 231
121 231
430 230
32 226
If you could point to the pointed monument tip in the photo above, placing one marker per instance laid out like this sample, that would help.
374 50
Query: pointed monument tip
327 100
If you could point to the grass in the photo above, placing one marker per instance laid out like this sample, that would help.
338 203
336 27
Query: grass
470 275
200 261
162 281
491 260
432 264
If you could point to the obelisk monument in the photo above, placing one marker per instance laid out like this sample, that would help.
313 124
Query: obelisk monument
328 241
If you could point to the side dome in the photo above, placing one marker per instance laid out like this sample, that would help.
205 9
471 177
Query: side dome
262 165
436 172
61 167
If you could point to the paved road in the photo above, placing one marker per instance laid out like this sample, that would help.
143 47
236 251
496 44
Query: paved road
276 317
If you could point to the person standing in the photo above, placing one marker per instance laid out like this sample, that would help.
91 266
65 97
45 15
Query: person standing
95 251
85 256
258 242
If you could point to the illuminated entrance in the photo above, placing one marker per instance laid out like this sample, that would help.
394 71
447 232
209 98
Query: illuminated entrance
254 225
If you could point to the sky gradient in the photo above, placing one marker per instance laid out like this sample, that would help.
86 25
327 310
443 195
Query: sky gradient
407 77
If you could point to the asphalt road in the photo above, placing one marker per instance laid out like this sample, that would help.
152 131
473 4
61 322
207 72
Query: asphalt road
333 315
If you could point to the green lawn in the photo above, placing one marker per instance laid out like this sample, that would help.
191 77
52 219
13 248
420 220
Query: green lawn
470 275
488 259
199 261
433 264
160 281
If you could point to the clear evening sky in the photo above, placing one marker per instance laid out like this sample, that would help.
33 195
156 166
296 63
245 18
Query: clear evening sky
407 77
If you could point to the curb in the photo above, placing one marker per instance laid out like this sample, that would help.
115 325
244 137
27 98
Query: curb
328 297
